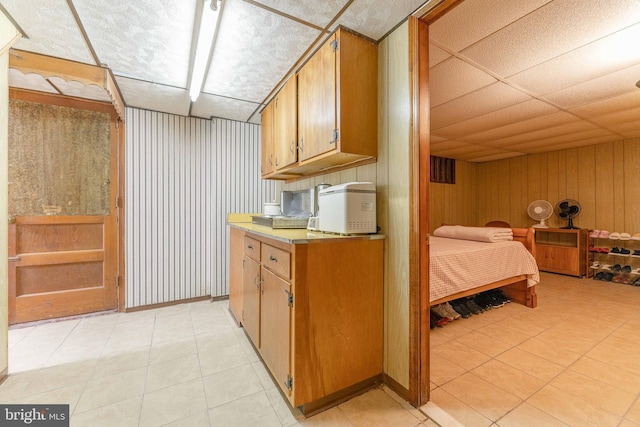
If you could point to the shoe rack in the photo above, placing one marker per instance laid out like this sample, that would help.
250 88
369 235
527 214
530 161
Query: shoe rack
614 257
562 250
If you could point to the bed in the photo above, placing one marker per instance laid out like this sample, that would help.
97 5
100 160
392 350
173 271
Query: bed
460 267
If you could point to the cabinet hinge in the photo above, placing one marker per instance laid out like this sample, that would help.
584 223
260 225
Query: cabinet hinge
334 45
289 383
335 137
289 297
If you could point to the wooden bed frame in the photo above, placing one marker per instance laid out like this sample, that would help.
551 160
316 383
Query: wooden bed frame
514 287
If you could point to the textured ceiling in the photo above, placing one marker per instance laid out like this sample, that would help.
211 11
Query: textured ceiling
521 76
533 76
148 45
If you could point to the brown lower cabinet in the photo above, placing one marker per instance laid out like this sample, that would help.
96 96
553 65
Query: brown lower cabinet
313 309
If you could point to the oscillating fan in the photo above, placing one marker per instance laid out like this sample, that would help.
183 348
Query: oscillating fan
568 209
540 210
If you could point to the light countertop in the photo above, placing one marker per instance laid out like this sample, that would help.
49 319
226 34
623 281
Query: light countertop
292 235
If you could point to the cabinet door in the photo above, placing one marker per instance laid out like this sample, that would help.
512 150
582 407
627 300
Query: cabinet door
285 124
236 240
267 164
251 299
275 320
558 259
317 103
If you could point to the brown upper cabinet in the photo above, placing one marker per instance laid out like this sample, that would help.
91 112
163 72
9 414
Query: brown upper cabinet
336 110
285 116
267 162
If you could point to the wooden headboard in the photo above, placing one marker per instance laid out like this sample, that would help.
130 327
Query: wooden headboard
526 236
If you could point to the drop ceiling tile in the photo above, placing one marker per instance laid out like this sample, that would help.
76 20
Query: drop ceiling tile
499 118
455 78
469 22
573 144
152 96
79 90
375 18
557 27
437 55
608 106
29 81
609 86
143 39
611 121
588 137
496 156
485 100
51 29
312 11
208 106
560 124
255 49
593 60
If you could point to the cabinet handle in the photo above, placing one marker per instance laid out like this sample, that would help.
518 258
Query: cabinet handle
291 146
256 280
271 159
250 247
301 145
272 258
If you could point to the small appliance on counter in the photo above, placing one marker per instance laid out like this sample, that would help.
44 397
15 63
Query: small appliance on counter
291 212
348 208
314 209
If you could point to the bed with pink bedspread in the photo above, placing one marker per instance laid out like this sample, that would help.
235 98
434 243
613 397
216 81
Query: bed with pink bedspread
468 260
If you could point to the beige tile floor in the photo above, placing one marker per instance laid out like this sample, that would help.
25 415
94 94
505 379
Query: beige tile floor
572 361
185 365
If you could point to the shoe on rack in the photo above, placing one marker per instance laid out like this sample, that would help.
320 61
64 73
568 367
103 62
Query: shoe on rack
461 309
442 312
626 269
436 321
636 253
596 264
599 275
604 234
625 251
616 268
594 233
452 313
473 307
483 301
614 250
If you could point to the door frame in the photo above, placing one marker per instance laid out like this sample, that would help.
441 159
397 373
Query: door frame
419 330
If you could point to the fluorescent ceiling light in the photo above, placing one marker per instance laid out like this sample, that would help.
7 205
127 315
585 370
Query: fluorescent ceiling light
208 23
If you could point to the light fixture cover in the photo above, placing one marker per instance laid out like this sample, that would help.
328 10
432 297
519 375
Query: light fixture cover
208 23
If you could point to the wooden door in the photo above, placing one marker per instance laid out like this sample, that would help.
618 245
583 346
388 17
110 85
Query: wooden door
64 254
267 164
275 321
251 299
317 103
285 124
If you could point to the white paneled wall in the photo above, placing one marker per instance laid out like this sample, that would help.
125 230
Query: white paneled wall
183 176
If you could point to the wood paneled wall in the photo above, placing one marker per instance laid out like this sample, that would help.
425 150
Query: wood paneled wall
184 176
601 177
391 175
